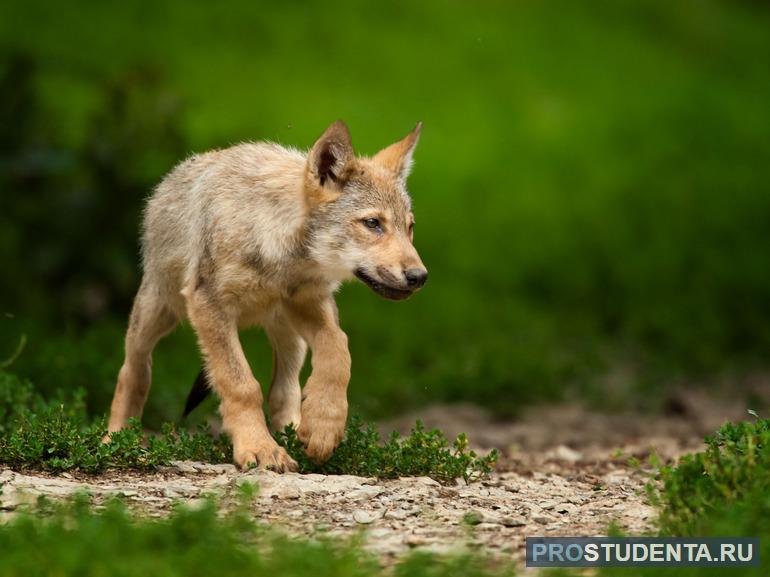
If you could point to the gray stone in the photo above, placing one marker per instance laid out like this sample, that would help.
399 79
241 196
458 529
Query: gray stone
513 521
365 517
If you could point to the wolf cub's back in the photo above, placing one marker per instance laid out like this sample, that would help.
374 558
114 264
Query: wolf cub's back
246 198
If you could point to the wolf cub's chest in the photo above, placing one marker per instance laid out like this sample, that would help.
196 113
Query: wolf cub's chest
258 291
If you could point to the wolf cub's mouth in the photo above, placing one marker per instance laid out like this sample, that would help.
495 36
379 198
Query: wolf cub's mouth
387 291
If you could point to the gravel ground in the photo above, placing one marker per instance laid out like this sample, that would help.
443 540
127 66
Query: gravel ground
395 515
564 471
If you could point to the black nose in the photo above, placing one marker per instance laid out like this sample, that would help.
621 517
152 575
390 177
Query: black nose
416 277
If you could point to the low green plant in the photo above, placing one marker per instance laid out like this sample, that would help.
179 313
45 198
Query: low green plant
58 436
472 518
421 453
58 441
722 490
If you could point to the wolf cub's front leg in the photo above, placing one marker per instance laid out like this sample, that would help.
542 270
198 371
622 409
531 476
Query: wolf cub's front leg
240 394
324 398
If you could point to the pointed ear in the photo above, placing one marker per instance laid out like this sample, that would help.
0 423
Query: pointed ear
398 157
331 154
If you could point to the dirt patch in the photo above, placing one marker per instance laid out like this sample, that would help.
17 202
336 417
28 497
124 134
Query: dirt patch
575 434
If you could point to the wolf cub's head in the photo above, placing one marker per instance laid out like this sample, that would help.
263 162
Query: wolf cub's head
361 222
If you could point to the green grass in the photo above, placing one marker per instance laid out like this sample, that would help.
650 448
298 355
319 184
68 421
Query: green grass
59 436
73 540
590 188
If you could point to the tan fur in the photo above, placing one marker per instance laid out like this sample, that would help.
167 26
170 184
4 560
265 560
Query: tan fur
259 234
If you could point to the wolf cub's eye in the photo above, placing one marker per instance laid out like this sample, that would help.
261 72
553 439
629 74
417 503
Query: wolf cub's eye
373 223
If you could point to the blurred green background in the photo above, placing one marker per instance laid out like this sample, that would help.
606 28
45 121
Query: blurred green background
591 187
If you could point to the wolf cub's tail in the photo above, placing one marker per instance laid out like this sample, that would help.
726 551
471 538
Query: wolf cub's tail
198 393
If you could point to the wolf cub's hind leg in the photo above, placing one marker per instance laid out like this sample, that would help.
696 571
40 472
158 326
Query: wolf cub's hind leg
285 398
230 376
150 320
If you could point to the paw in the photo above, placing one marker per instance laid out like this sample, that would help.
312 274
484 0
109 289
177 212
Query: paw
114 427
267 455
322 428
